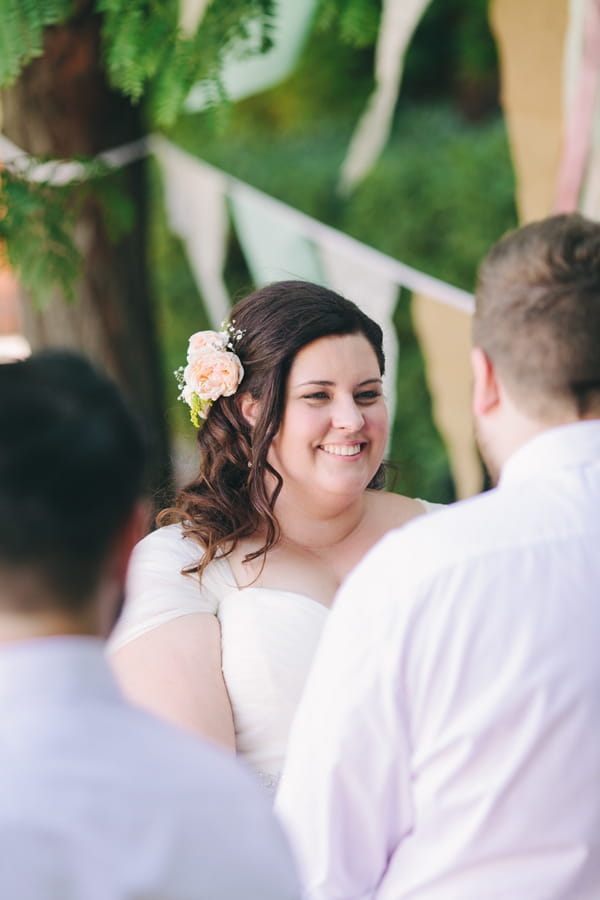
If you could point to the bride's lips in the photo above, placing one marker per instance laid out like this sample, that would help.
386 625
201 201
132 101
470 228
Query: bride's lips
348 450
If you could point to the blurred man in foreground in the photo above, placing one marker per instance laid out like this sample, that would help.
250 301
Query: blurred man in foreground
99 801
448 743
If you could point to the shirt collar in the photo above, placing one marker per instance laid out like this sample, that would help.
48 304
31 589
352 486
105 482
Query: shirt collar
60 669
565 446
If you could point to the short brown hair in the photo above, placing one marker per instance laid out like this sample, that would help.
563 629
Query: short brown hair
72 458
538 313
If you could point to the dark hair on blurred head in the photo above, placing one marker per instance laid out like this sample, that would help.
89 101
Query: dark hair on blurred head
229 500
72 463
538 314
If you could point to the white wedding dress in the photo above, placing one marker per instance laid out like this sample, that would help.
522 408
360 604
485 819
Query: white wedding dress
268 637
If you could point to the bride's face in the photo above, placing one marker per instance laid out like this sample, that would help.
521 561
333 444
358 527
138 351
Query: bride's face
334 429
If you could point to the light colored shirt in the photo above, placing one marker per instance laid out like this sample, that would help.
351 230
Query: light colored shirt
447 746
101 801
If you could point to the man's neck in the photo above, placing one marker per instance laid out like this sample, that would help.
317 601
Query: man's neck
27 610
513 427
23 627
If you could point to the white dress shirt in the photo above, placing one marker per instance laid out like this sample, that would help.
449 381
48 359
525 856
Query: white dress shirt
101 801
447 746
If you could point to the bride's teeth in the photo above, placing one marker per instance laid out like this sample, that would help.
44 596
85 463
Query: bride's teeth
342 449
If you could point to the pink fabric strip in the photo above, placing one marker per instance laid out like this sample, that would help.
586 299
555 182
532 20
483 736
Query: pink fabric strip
578 134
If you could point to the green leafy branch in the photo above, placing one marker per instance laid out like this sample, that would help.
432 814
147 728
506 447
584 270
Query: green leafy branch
38 219
148 58
356 20
22 32
147 55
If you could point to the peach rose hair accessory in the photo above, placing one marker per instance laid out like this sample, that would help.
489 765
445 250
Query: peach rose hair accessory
213 370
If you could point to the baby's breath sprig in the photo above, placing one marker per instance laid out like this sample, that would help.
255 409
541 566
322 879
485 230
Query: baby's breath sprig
231 333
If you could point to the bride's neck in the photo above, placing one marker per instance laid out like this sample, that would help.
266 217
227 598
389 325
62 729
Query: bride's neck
321 525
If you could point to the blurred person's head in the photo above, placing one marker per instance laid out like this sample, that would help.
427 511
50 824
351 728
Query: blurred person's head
71 470
536 333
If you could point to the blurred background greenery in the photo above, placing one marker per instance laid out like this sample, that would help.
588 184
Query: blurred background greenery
439 195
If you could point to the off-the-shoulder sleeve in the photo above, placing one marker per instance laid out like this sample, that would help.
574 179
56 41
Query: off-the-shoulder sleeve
157 591
431 507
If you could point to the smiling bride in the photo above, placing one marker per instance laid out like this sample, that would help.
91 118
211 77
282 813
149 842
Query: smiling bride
227 599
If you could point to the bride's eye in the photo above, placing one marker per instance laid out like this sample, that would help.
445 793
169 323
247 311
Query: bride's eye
317 395
368 396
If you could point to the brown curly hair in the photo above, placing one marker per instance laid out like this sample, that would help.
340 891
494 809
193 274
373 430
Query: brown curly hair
229 500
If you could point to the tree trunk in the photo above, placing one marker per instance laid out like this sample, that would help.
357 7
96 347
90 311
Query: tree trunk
62 107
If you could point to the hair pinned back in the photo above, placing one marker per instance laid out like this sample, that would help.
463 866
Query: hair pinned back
229 499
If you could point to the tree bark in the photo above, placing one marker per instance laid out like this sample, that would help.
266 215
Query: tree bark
61 106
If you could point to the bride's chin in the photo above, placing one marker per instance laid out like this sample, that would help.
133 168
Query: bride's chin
350 485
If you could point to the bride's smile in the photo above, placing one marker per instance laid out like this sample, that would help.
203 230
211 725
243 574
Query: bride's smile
342 449
334 427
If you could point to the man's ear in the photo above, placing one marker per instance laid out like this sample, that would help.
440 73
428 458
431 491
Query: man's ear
113 597
486 392
249 408
134 529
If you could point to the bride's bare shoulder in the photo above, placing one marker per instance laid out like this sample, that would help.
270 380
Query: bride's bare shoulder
394 510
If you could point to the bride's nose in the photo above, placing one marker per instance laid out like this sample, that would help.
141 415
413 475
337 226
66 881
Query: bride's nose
347 415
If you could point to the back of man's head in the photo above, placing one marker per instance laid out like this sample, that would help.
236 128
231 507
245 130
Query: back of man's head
538 315
71 468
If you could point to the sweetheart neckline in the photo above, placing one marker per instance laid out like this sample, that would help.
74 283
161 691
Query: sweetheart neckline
265 590
273 590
